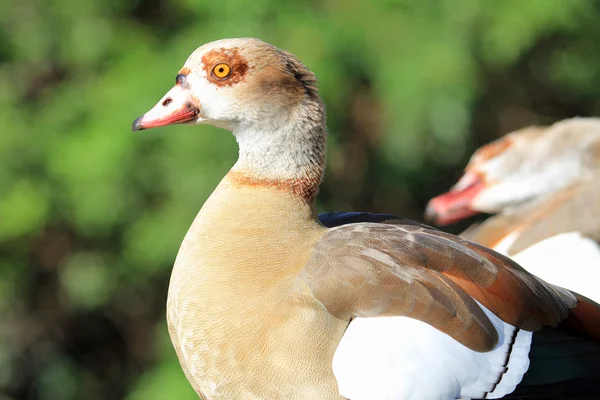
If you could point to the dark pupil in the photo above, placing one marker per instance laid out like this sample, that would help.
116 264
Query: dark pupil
221 69
180 79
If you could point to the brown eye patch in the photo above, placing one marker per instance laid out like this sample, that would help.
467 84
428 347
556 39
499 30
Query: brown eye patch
491 150
230 60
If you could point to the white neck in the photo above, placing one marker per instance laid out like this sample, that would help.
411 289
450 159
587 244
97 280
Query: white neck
292 147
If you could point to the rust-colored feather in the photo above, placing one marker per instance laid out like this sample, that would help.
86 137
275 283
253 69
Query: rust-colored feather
584 319
571 209
377 269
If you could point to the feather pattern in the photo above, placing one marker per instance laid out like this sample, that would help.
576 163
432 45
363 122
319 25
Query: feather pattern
369 269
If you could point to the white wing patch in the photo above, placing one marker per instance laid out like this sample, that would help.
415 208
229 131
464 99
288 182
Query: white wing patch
394 358
569 260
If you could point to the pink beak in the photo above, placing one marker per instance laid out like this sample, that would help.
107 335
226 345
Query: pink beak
455 205
173 108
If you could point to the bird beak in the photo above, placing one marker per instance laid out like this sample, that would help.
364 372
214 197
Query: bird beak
455 205
174 108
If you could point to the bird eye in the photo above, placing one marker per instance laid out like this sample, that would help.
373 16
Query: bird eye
180 78
221 71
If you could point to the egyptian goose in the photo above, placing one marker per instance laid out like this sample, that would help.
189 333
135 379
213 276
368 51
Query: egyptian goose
266 302
544 183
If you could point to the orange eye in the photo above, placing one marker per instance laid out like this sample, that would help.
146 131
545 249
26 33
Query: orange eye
221 71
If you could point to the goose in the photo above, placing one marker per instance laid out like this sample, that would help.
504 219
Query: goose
544 185
267 300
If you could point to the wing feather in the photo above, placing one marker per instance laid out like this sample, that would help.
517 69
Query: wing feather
389 269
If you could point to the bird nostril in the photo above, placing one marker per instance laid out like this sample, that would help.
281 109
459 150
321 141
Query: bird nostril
167 101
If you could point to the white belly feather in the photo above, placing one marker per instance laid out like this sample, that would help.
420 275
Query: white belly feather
569 260
394 358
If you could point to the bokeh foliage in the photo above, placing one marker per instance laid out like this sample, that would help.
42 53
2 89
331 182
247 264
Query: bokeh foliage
91 215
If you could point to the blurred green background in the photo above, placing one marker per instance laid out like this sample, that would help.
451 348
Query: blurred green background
92 215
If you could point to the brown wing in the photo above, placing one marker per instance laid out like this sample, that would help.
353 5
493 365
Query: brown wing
574 208
371 269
